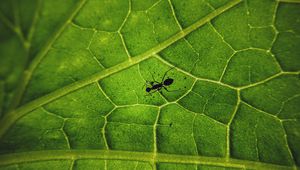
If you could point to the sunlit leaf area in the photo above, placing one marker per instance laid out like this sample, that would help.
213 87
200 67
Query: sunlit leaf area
149 84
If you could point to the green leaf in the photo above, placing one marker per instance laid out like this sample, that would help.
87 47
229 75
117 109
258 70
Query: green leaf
73 74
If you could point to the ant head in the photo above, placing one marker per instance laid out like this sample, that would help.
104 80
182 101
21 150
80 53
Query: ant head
148 89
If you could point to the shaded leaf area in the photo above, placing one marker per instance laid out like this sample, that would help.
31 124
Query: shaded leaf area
235 93
26 26
11 67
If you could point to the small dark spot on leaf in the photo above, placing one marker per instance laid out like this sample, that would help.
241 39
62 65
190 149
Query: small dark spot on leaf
171 124
185 87
184 78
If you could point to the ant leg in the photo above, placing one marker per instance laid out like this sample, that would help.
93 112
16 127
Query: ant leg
166 89
153 78
145 84
160 91
148 82
169 90
166 74
150 93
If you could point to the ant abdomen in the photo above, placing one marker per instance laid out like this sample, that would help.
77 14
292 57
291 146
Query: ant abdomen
168 81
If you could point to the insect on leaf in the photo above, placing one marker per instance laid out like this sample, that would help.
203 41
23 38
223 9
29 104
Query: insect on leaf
152 84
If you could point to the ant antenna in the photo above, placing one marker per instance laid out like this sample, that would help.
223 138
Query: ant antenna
167 72
147 82
153 77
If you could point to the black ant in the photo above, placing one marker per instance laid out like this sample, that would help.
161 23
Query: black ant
157 86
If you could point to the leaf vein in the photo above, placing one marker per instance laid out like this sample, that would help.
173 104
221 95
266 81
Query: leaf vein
10 118
17 158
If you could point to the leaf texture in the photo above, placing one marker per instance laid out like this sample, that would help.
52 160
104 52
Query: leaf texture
72 92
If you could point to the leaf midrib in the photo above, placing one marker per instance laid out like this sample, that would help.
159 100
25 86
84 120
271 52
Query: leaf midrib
10 118
24 157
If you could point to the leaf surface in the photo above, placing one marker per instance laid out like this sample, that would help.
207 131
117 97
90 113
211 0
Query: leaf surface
72 92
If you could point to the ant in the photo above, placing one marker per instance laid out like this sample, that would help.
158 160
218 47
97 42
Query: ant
157 86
